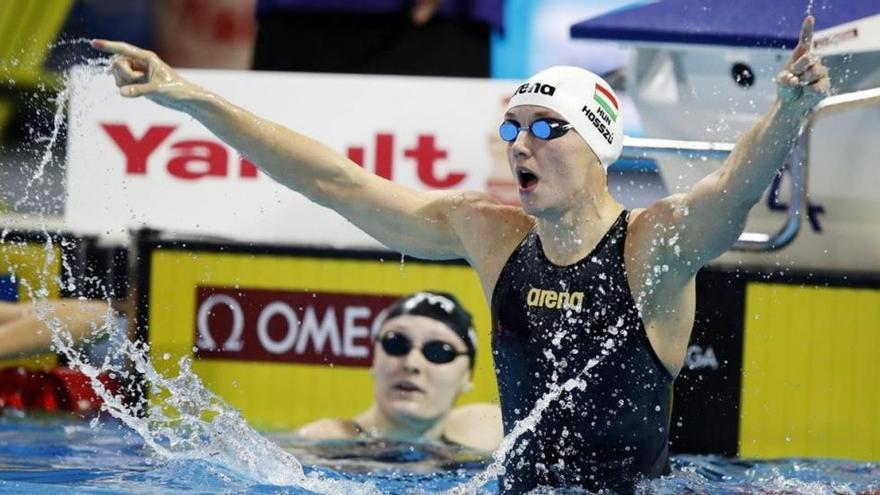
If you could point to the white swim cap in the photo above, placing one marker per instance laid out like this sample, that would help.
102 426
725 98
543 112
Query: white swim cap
582 98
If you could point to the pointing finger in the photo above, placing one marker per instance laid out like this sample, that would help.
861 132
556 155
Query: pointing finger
806 37
805 40
118 48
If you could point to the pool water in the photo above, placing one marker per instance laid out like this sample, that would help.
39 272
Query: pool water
52 454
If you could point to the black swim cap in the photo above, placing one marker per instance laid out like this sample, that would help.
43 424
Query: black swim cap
443 307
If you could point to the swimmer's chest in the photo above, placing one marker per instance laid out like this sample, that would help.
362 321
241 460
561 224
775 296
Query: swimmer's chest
582 304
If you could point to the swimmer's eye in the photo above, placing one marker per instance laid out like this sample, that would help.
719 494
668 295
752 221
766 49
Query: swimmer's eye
545 129
435 351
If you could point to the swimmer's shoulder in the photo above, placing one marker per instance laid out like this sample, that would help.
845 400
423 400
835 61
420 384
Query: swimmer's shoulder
489 230
633 214
475 426
461 204
330 429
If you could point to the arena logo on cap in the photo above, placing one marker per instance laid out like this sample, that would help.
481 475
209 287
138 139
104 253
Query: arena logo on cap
606 101
536 87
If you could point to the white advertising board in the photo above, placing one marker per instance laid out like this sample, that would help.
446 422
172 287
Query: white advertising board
132 163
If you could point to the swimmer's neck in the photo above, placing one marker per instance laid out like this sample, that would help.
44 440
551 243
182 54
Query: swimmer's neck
376 424
569 235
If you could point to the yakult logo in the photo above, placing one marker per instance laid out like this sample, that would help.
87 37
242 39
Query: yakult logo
291 327
193 159
424 154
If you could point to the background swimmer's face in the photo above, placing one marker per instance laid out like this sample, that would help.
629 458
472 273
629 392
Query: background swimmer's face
551 175
411 388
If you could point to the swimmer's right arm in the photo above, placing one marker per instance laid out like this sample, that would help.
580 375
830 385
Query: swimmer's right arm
413 222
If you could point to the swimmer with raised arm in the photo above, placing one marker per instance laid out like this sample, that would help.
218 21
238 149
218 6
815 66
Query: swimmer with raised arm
423 360
579 287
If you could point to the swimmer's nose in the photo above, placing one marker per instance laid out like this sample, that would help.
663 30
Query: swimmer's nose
521 146
414 362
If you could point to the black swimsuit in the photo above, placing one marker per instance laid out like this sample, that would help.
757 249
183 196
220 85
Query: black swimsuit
549 322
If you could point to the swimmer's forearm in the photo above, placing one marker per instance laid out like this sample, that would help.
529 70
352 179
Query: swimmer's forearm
27 333
412 222
16 337
292 159
713 214
758 155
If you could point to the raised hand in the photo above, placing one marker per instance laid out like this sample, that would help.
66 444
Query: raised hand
423 10
803 82
140 72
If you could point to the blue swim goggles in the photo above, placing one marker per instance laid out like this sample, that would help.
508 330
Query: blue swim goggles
545 129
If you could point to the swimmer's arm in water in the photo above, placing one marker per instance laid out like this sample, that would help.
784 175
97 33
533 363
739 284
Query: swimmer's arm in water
413 222
23 332
707 221
474 426
328 429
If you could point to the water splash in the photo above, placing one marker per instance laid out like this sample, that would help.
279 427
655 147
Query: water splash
178 427
60 102
496 468
187 421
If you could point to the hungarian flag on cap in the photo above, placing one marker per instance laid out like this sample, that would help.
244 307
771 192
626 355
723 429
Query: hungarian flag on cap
606 100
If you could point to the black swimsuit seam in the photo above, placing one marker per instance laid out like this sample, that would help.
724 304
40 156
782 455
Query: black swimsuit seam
503 276
643 334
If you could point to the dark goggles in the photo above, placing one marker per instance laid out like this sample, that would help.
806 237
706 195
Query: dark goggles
545 129
435 351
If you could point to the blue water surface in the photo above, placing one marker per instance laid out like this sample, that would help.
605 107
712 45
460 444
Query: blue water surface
53 454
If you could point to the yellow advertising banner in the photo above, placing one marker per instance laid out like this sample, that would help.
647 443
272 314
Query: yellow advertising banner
811 378
286 337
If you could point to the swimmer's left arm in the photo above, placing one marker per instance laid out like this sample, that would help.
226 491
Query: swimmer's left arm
690 229
25 330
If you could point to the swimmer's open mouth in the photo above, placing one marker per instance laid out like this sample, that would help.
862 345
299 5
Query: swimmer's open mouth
526 179
406 387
